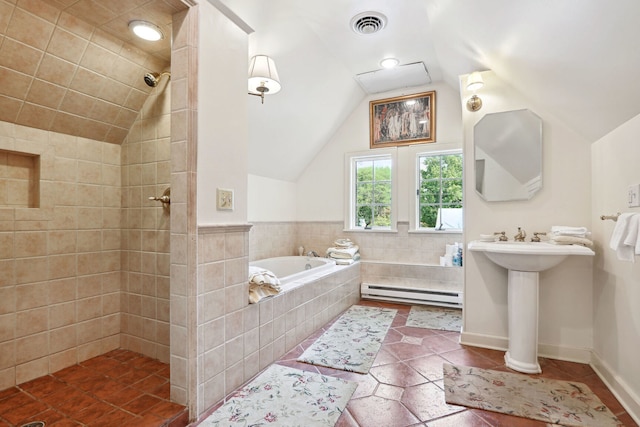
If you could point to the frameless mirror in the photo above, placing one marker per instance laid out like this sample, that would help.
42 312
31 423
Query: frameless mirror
508 155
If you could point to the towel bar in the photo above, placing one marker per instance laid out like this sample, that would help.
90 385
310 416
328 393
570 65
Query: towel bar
611 217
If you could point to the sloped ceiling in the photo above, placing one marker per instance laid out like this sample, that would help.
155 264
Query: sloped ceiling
577 59
72 66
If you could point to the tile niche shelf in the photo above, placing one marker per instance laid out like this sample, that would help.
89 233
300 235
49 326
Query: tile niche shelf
27 168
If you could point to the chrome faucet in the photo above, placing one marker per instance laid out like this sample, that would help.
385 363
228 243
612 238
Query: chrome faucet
502 234
520 236
313 253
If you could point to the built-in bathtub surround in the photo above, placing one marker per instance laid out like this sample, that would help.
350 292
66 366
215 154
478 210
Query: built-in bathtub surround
237 339
401 258
60 262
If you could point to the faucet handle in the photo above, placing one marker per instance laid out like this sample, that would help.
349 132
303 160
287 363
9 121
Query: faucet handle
536 236
502 234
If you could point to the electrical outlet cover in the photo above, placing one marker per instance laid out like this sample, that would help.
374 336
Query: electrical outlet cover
634 195
224 199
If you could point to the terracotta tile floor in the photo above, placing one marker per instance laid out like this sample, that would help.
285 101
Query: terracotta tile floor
405 388
118 389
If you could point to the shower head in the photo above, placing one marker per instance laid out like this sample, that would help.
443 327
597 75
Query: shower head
152 79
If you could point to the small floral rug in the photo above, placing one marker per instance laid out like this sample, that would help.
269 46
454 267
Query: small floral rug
285 397
565 403
430 317
353 341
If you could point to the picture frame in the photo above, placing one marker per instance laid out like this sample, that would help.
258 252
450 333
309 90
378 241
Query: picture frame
403 120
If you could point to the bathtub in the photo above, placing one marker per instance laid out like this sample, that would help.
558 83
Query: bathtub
294 271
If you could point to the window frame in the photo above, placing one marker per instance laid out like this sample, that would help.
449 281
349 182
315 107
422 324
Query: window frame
414 195
350 190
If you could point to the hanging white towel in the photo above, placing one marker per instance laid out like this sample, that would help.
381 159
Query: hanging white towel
632 238
620 232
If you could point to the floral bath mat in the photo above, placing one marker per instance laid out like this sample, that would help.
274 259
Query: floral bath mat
565 403
430 317
352 342
285 397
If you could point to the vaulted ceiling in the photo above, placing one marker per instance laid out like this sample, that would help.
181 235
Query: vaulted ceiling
73 67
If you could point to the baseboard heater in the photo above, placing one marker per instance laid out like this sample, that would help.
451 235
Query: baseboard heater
411 295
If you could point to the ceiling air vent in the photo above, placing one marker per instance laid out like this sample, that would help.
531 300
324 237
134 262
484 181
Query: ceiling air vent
368 22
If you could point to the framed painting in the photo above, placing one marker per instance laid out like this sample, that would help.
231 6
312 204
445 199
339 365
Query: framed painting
403 120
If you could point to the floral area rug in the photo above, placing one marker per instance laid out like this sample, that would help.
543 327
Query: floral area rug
352 342
565 403
285 397
430 317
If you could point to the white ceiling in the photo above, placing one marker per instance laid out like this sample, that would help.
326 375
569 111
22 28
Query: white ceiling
578 59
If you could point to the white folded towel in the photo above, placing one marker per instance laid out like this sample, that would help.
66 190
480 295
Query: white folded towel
563 230
343 243
343 253
620 233
347 261
571 240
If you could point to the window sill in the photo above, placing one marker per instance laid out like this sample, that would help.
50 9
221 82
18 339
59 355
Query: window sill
371 230
446 231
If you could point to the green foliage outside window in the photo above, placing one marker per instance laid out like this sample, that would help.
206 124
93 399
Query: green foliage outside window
440 186
373 193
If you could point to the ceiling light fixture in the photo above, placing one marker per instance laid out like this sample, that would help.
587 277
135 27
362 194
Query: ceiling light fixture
263 77
389 63
474 82
146 30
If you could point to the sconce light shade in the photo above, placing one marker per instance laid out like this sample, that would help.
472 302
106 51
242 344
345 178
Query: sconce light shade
263 76
474 81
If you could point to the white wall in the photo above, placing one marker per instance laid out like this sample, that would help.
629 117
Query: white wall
222 116
321 185
271 199
566 292
616 283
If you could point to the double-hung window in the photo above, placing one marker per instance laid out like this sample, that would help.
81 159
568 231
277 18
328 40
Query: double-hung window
439 191
371 192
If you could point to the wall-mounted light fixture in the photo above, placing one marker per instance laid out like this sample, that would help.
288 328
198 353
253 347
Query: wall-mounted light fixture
474 82
263 77
146 30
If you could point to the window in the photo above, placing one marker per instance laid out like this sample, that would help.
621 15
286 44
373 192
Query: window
439 191
371 204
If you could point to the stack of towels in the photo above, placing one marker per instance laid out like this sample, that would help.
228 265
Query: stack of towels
625 239
563 235
344 252
262 284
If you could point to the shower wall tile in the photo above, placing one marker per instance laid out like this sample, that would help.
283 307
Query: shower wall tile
56 265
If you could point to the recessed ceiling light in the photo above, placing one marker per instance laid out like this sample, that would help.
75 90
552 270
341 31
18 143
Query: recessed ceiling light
389 63
146 30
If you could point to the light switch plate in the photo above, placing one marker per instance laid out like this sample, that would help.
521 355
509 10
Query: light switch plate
224 199
634 195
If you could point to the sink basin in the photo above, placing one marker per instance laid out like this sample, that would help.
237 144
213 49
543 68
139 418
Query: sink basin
525 260
527 256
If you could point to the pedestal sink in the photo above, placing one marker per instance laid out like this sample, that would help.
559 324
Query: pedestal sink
525 260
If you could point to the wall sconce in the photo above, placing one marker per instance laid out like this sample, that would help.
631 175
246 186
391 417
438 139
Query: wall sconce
263 76
474 82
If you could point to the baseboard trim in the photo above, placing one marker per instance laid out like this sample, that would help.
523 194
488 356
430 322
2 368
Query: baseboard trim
627 397
569 354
